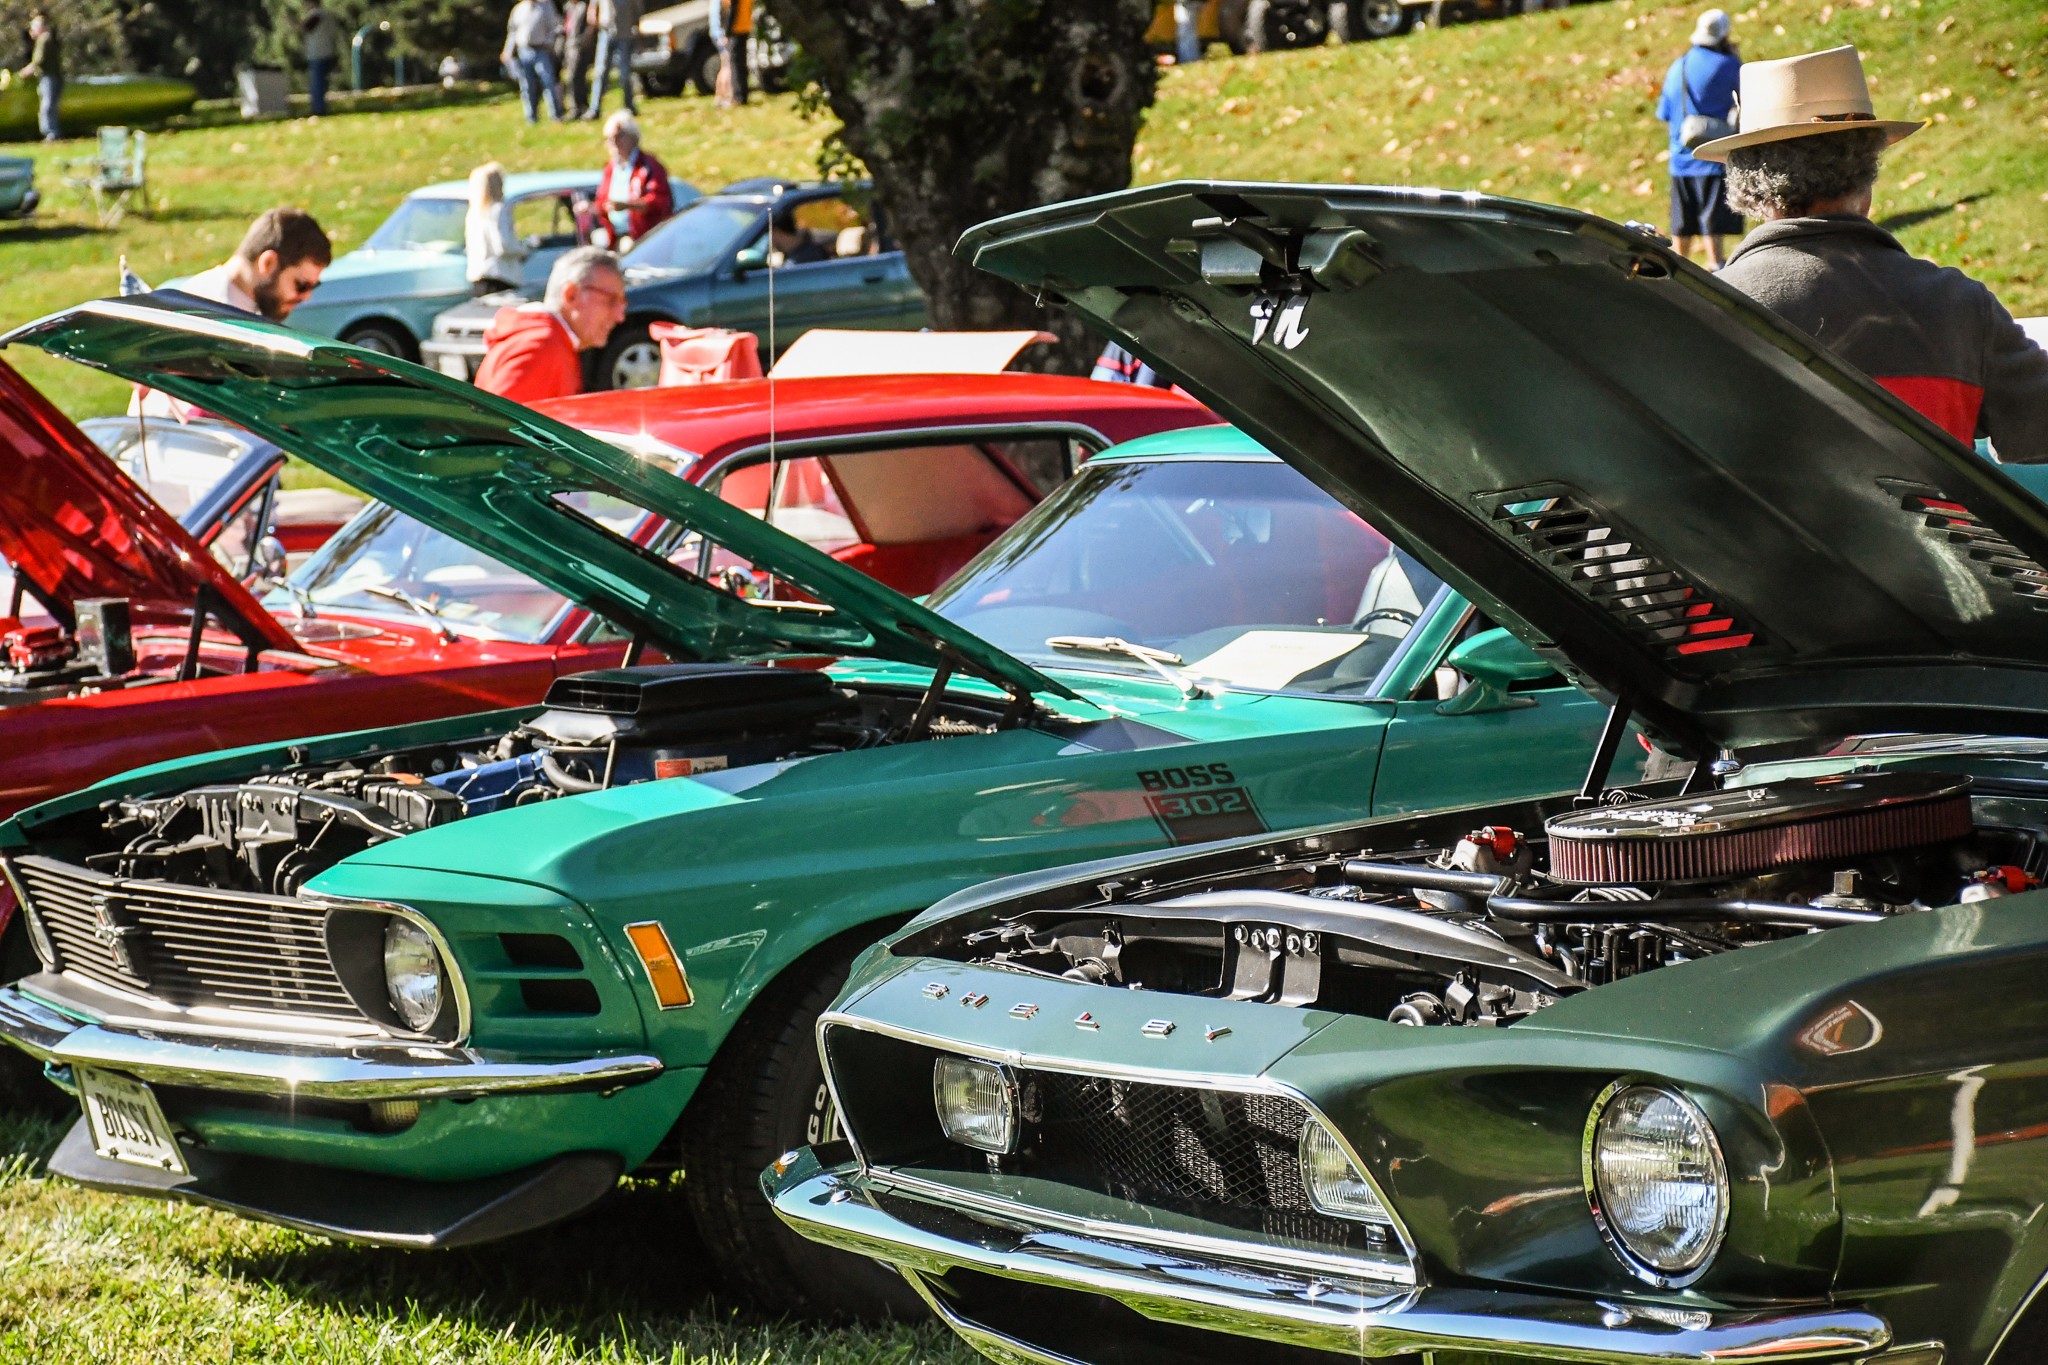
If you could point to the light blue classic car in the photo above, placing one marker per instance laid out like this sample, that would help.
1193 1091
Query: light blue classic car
18 197
383 295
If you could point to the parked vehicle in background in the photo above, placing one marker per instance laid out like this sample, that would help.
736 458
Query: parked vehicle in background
625 909
1726 1068
709 266
673 50
18 194
89 102
1281 23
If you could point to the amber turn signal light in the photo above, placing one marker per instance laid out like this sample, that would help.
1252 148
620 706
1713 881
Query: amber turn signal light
664 968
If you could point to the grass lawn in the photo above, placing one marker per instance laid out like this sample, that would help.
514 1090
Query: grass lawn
89 1279
1554 106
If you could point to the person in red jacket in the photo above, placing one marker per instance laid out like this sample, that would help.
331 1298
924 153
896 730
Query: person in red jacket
633 182
535 351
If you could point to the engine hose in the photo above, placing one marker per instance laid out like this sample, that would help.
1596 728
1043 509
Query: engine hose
1528 910
563 778
1420 877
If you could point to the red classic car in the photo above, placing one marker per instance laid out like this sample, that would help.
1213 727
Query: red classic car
127 643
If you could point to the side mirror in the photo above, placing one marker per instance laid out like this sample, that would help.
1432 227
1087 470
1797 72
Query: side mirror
267 561
1494 660
747 258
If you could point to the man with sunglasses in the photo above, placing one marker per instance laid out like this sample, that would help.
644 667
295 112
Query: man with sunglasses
534 351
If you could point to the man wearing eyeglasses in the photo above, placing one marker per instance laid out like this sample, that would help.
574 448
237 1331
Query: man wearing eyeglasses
534 351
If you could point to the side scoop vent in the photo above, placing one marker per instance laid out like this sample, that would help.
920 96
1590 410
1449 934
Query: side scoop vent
1633 584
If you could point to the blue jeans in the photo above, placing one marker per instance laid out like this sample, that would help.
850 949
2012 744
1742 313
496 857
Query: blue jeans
318 69
537 73
612 50
1187 41
48 88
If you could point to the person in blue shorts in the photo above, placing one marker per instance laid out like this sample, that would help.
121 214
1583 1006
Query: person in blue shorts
1700 90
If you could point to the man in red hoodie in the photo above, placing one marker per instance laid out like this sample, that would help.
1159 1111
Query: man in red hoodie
534 351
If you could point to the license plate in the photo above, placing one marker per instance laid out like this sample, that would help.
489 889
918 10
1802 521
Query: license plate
127 1123
454 366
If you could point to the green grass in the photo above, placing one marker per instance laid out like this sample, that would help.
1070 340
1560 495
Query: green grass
91 1279
1554 106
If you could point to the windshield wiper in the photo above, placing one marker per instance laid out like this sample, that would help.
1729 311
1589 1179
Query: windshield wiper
1155 659
425 610
302 600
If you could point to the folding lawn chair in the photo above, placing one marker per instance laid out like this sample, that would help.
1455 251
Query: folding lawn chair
113 175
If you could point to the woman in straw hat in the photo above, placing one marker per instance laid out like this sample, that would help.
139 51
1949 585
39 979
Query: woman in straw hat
1698 101
1805 159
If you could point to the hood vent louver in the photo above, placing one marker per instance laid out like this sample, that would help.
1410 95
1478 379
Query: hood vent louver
1987 550
1638 588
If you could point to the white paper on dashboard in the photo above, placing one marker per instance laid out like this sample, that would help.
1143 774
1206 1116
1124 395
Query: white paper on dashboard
1274 658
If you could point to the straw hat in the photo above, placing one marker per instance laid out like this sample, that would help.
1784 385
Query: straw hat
1805 96
1711 28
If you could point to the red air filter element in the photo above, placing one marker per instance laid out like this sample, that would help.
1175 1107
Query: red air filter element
1753 829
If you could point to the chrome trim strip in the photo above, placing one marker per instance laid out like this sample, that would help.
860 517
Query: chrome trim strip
1239 1084
1387 1270
393 1070
839 1208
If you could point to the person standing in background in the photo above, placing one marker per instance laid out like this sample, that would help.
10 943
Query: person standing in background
732 29
633 182
489 240
1698 101
616 21
577 41
46 68
320 32
535 351
1187 31
530 32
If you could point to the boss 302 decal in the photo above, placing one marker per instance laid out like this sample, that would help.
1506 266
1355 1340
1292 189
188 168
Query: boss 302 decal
1200 802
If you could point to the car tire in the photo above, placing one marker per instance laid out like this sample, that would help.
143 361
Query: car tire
630 360
765 1094
1374 19
703 63
385 338
1285 25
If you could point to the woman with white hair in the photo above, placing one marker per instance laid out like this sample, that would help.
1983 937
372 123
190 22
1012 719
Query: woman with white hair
489 239
1698 102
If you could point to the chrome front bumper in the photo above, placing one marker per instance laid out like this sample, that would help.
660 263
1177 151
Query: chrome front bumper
926 1240
342 1071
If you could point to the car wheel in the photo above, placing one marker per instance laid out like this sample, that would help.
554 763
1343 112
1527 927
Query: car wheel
385 338
632 359
704 64
1286 24
765 1094
1378 18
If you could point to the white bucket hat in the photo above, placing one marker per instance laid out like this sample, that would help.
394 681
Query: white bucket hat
1804 96
1712 28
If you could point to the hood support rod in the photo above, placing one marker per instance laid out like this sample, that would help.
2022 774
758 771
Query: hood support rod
1603 754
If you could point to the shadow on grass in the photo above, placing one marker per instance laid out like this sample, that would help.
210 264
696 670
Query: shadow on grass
48 232
1899 222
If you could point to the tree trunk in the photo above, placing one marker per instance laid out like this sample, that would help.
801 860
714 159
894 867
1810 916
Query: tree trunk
964 110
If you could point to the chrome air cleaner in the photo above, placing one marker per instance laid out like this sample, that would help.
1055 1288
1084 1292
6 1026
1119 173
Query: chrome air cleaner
1746 830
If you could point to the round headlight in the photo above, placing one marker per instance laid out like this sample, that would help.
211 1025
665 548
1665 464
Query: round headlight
412 974
1657 1181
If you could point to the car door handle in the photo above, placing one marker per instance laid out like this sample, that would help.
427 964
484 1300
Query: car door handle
875 278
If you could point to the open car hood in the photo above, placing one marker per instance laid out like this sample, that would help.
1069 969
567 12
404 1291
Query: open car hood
74 526
1674 495
491 474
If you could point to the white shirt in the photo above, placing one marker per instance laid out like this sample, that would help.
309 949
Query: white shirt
492 244
532 24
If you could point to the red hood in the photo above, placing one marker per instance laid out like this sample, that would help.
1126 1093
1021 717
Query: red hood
74 526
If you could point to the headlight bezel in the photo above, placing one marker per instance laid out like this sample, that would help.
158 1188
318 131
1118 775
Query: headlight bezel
1638 1264
405 937
355 945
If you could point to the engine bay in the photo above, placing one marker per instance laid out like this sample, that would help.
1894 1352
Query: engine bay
1518 913
271 832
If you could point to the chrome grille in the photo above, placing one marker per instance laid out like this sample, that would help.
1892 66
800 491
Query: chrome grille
1230 1156
186 946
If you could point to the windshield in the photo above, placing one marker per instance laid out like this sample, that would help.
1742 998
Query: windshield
1239 572
705 234
467 590
421 224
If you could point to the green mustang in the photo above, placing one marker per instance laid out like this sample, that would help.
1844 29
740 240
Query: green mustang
1749 1065
434 984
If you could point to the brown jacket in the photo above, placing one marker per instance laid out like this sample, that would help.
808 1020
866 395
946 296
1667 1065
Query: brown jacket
1932 335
